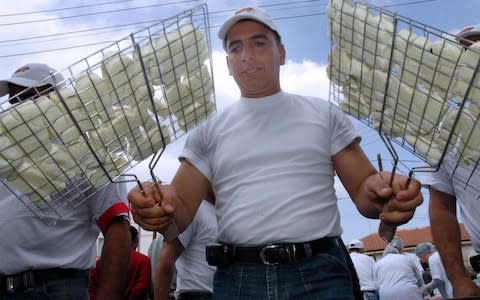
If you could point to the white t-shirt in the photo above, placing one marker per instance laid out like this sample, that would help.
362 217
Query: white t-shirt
269 162
446 181
398 278
193 271
416 261
438 272
27 242
364 267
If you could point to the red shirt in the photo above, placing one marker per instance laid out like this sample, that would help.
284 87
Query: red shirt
138 284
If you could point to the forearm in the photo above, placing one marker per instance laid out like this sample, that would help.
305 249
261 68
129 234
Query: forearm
170 252
163 280
446 235
115 258
191 187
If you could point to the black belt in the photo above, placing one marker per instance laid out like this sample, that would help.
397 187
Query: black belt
30 279
195 295
282 253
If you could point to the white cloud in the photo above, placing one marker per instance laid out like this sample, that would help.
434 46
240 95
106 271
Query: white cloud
307 78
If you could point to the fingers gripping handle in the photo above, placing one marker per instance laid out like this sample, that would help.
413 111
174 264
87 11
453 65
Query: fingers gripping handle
387 231
172 231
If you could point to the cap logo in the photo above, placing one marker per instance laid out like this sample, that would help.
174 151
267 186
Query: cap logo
22 69
246 9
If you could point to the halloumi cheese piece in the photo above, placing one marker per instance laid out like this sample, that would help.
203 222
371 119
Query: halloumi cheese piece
27 126
193 114
425 147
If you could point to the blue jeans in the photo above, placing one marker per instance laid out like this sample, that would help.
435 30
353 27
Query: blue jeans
324 276
72 288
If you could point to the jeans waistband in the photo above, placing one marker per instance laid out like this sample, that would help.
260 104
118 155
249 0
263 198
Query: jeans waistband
273 254
31 278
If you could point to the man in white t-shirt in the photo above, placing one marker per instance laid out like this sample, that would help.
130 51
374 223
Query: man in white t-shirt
448 188
426 253
398 244
187 254
270 159
364 268
49 258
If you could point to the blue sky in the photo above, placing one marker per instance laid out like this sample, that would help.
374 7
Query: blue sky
37 37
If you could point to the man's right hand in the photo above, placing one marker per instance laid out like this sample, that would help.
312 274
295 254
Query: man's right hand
465 288
154 207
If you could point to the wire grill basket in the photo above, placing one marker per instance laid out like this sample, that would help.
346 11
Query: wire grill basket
117 107
417 85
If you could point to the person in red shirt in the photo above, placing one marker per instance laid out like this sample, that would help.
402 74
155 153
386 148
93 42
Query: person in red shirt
139 272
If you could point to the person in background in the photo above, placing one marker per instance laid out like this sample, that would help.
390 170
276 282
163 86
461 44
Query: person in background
364 268
475 263
477 279
447 188
397 276
427 253
138 283
398 244
270 160
187 252
154 252
41 261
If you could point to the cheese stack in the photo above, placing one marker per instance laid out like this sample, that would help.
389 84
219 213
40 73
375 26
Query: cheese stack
172 55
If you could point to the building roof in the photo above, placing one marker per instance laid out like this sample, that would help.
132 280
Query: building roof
410 238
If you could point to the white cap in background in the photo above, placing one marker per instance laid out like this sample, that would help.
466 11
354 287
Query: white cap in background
32 75
355 244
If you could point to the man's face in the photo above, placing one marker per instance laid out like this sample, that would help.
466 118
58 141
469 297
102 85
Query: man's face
24 93
254 58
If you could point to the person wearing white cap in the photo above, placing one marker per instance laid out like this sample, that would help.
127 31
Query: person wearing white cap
50 258
397 277
364 267
427 253
30 81
447 189
270 160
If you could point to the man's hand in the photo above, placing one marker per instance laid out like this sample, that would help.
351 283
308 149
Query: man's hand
154 207
396 203
465 288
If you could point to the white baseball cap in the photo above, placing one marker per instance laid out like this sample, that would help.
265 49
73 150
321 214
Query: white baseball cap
355 244
32 75
247 13
469 31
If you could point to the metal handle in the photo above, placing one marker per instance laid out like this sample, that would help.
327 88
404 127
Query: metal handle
172 232
387 231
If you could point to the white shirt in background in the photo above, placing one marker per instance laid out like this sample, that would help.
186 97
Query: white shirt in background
364 267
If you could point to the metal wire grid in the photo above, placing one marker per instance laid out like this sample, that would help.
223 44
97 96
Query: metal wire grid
116 108
417 85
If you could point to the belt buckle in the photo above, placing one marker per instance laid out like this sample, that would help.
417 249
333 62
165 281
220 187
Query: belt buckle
290 254
10 284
